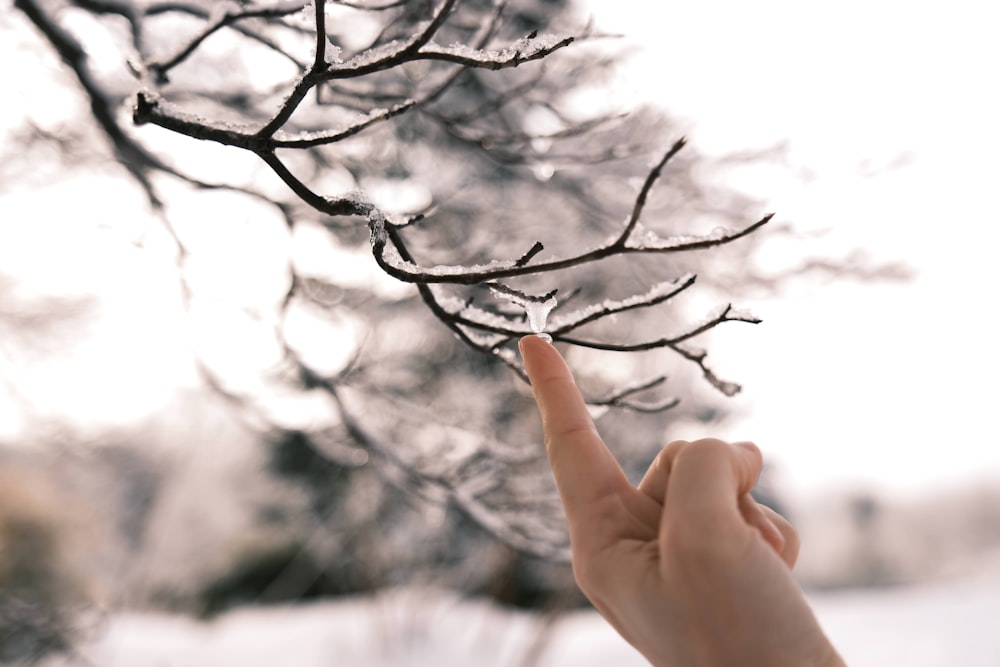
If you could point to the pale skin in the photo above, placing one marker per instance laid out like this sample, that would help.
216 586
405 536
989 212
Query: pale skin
686 566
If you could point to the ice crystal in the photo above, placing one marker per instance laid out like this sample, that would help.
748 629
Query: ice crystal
538 313
536 308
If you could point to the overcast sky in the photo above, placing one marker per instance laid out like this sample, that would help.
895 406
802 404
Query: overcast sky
889 111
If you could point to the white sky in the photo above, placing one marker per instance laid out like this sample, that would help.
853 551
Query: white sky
889 385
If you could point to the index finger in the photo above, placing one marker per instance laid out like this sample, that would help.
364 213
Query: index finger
584 469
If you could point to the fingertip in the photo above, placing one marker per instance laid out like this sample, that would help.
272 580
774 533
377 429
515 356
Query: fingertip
540 357
524 345
532 342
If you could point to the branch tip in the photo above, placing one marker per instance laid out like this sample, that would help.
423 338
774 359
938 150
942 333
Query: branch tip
527 257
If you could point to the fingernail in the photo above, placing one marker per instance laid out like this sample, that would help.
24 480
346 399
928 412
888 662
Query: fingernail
544 336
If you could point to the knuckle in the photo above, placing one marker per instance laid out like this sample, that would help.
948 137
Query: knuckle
708 447
669 453
708 454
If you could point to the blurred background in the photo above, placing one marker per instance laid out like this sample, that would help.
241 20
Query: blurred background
227 438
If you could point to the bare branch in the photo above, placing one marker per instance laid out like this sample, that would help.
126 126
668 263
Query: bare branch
619 399
375 7
224 16
522 51
407 271
640 200
657 294
311 139
368 62
532 251
676 343
132 156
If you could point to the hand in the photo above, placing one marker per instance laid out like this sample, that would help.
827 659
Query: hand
686 566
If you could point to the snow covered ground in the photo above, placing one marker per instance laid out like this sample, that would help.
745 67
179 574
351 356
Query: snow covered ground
955 623
946 623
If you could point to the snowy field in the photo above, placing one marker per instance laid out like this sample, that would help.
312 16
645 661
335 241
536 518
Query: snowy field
929 626
949 623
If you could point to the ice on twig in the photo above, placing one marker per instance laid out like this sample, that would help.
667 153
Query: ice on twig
538 313
537 308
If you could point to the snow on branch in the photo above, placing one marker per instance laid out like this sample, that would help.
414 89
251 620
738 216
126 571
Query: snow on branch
645 240
657 294
478 327
320 138
384 56
522 51
407 270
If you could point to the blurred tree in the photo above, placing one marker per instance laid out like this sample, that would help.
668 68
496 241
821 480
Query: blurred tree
467 149
42 587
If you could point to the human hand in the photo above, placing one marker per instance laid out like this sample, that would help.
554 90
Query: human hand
687 566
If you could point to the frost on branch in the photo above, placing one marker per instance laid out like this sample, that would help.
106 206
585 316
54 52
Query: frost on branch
522 51
479 328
